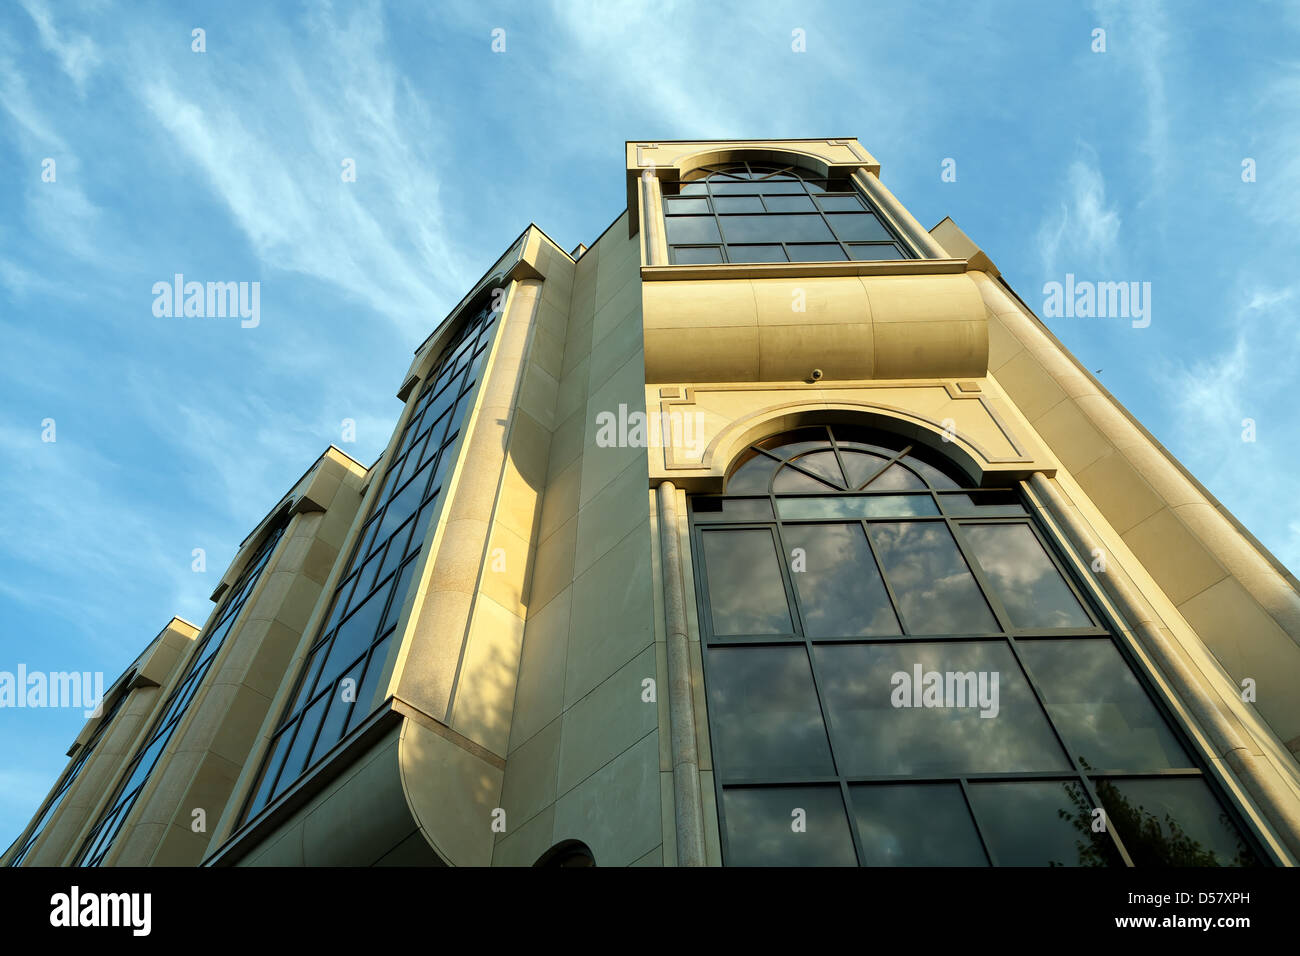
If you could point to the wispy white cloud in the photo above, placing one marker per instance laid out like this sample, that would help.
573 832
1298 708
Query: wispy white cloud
278 171
1224 410
1083 232
76 52
1139 37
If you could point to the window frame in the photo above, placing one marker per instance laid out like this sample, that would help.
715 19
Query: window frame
1104 629
726 173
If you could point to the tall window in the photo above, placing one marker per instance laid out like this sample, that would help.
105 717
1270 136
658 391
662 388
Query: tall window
69 778
899 671
757 212
347 660
111 820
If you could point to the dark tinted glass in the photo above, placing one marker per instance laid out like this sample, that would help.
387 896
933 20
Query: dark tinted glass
1173 821
1105 716
692 229
763 714
1031 588
793 228
695 255
860 226
816 252
745 590
973 711
789 204
1041 823
915 825
756 253
840 590
873 252
787 826
935 591
752 476
726 204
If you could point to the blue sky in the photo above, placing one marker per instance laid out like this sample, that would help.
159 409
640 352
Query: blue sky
174 434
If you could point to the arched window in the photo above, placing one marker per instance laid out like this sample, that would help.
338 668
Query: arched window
899 670
759 212
567 853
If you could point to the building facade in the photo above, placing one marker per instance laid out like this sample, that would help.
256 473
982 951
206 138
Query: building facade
770 529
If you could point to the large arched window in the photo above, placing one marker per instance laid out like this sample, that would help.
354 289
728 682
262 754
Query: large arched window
759 212
900 670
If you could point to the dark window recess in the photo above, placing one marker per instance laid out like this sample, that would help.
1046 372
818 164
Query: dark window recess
348 659
757 212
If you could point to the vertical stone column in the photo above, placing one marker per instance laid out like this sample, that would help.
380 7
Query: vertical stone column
652 220
681 709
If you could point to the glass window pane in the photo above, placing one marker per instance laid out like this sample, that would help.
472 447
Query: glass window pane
983 503
802 203
859 226
860 466
756 253
399 595
404 504
1173 821
863 506
696 255
752 476
746 595
302 741
732 509
760 831
915 825
840 203
1041 823
793 228
724 204
824 465
730 187
1101 710
876 252
676 206
896 478
356 633
692 189
935 591
340 702
691 229
1024 577
763 714
816 252
936 478
840 590
376 670
934 708
793 481
770 186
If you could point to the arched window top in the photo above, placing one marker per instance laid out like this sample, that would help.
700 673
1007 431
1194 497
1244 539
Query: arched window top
822 460
567 853
765 172
763 211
